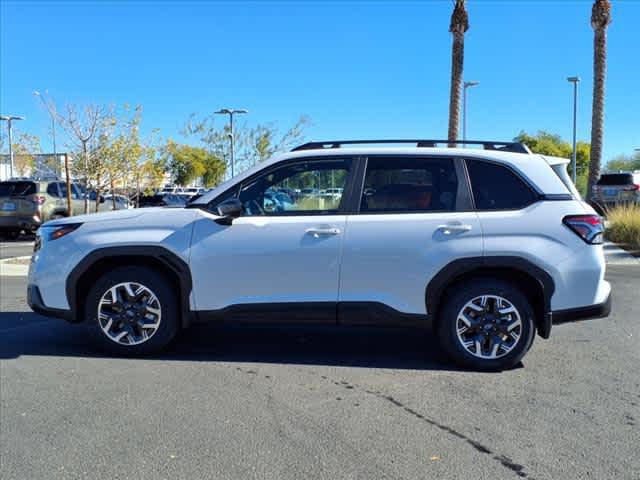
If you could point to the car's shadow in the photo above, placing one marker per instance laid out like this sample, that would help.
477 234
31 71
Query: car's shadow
24 333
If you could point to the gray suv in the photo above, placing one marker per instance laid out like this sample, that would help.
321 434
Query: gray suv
616 188
25 204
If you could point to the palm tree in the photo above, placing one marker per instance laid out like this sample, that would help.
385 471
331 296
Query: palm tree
458 26
600 19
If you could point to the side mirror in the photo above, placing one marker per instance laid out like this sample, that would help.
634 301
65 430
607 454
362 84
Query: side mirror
229 210
101 199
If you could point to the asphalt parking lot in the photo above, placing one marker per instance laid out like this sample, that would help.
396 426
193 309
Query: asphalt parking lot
238 403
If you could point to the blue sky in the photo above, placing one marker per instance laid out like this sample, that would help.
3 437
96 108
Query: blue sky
359 70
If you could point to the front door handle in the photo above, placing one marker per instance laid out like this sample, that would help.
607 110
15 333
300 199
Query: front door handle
452 228
318 232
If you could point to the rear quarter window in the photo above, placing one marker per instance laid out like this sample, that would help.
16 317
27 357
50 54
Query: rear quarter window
496 187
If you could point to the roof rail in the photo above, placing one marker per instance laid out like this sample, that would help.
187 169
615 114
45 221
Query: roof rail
515 147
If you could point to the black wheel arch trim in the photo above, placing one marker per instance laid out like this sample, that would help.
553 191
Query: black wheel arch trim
457 268
165 256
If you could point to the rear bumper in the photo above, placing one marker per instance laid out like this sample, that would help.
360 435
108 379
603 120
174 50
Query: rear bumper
34 300
19 222
599 310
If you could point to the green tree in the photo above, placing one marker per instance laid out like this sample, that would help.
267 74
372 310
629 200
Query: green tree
546 143
600 20
187 163
625 162
458 26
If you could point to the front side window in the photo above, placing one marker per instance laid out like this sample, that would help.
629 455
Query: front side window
303 188
497 188
409 185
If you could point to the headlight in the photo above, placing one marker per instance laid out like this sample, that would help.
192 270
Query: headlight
47 233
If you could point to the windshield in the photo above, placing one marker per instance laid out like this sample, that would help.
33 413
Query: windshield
17 189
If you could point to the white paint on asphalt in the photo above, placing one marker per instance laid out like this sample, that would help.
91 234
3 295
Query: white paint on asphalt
8 267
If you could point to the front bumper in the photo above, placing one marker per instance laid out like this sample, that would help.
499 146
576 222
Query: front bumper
34 300
599 310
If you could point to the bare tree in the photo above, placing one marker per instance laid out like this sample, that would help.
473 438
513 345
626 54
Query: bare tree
82 125
50 106
600 20
458 26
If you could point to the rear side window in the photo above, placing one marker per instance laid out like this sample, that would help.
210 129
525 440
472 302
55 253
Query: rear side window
497 188
409 185
616 179
17 189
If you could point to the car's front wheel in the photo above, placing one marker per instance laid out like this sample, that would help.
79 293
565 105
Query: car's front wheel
486 325
132 311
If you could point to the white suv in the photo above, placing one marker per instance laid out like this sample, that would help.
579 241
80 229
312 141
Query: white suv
488 246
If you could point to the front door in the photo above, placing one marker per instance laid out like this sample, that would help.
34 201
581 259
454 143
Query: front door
284 249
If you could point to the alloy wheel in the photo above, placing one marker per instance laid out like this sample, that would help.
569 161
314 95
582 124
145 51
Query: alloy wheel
489 326
129 313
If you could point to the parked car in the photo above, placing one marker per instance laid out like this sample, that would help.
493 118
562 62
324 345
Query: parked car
163 200
171 189
25 204
193 191
122 202
616 188
106 203
484 247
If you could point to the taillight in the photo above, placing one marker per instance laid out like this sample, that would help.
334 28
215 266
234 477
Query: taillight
588 227
632 188
38 199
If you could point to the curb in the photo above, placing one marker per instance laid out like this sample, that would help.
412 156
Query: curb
8 269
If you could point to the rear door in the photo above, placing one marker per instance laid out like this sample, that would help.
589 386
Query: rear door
413 218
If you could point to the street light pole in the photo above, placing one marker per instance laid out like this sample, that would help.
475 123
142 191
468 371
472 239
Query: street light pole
53 123
466 85
575 81
231 112
9 119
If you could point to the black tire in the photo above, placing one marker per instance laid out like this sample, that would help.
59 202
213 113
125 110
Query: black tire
448 323
168 302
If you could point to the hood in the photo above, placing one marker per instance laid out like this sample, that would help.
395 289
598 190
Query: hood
114 215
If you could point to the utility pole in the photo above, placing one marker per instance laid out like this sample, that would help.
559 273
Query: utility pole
9 119
575 81
466 85
231 112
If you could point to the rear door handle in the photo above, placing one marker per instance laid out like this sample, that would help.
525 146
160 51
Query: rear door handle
322 231
454 228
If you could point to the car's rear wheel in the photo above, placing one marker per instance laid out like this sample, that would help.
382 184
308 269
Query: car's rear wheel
486 325
132 311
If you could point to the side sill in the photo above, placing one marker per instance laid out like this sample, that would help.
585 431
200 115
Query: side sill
327 313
